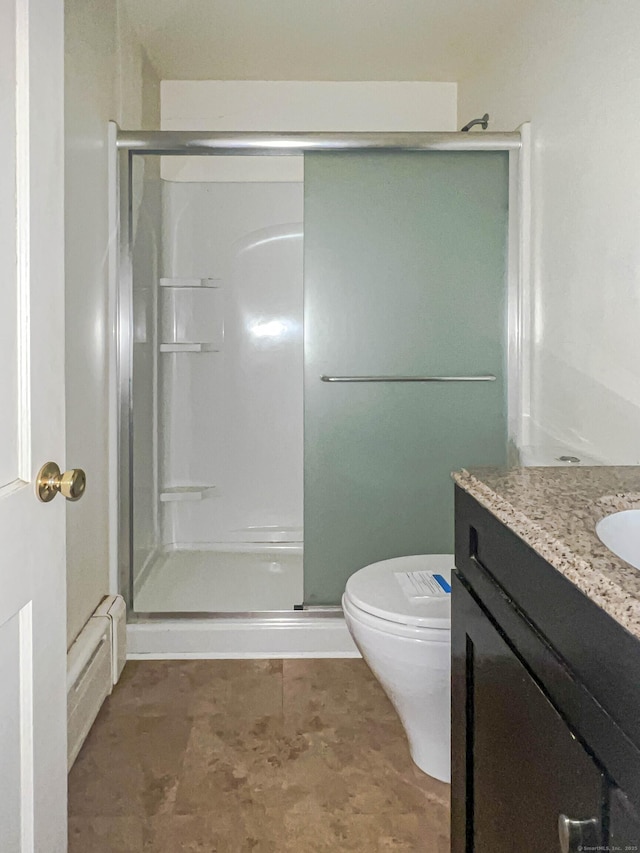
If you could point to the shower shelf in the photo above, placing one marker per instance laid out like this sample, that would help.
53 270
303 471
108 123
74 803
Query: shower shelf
190 282
182 494
191 347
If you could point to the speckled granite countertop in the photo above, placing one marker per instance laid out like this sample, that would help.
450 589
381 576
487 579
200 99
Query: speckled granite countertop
555 510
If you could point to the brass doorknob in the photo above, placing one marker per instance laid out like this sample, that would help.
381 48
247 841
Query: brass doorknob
50 481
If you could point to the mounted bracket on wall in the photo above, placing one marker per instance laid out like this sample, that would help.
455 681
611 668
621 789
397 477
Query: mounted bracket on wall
484 122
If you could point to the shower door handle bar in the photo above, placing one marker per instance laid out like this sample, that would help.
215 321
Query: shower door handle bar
485 378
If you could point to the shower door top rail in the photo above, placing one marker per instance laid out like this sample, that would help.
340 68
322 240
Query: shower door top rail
297 143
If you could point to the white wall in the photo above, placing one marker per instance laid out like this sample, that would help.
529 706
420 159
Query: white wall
573 70
106 77
308 39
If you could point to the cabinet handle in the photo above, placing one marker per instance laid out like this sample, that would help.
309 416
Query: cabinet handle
576 834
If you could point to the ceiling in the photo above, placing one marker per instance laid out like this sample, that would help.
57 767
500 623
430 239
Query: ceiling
314 39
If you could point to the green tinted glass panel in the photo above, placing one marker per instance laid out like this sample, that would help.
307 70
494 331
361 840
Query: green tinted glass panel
405 274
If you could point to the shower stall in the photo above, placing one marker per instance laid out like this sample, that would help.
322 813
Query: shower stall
302 364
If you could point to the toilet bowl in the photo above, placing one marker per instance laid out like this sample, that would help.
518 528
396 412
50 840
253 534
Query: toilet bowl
401 623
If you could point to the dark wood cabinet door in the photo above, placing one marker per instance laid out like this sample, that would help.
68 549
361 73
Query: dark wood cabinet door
517 767
624 824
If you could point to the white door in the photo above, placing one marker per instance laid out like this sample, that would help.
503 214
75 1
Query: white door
32 534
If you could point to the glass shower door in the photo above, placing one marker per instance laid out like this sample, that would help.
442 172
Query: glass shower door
405 275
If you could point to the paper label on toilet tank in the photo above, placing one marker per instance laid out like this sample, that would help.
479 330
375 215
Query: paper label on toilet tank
423 584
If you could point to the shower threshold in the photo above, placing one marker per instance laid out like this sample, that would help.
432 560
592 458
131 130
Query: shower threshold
231 604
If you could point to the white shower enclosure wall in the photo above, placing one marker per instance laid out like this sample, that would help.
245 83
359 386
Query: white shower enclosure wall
316 355
217 394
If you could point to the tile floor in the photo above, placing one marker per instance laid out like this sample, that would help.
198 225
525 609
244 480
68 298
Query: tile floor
256 756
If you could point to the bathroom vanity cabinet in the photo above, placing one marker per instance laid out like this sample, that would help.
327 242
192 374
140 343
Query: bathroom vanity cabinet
545 703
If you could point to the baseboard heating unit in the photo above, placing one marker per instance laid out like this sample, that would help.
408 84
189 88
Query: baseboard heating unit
94 664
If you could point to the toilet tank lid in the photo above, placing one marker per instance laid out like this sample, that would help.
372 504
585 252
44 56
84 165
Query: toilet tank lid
378 590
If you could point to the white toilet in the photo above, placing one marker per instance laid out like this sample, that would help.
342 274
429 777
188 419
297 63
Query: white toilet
401 622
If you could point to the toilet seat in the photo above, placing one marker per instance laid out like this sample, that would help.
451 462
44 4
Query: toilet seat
396 629
375 592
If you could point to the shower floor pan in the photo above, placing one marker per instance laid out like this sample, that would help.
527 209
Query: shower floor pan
219 581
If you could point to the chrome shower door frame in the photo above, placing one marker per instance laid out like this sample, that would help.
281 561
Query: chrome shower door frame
130 144
123 322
